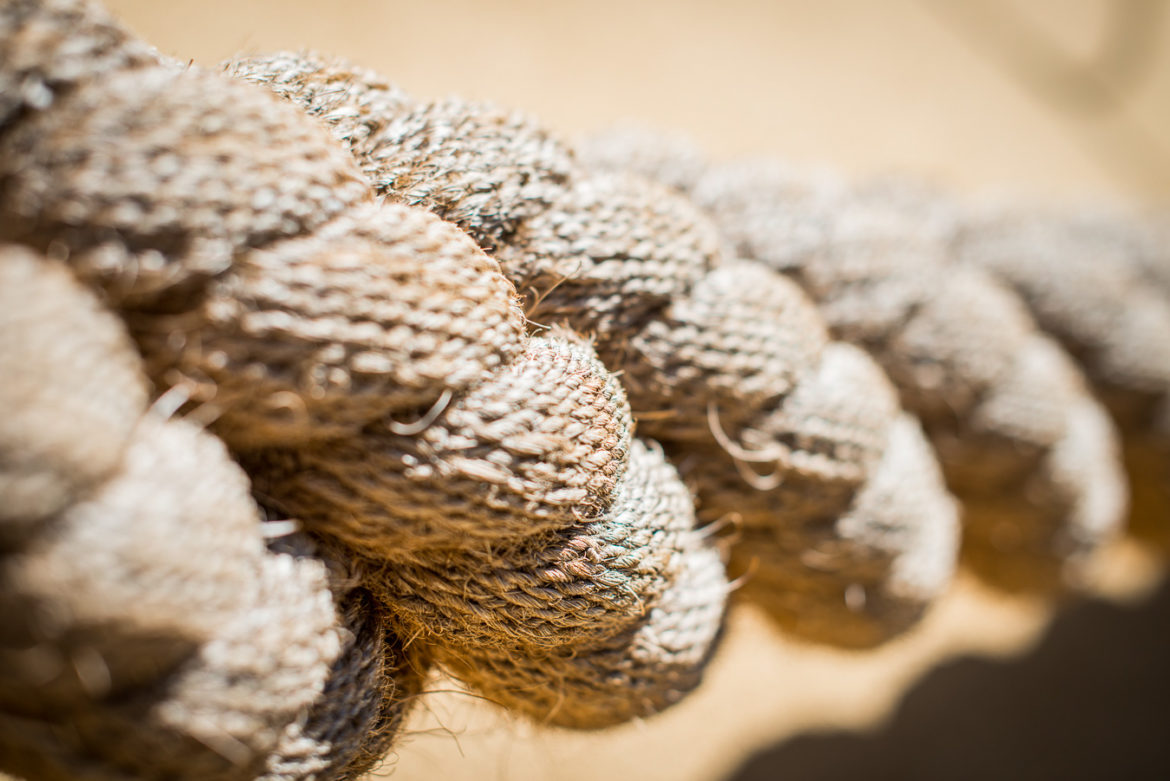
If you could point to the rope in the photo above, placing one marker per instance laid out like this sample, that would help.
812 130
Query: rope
689 328
312 393
305 322
1094 277
1030 453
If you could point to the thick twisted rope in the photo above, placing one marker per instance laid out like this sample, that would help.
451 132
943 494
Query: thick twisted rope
726 363
1094 277
474 494
148 632
144 615
317 333
1031 454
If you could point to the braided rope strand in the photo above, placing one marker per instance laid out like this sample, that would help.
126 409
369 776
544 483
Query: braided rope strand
1032 456
638 268
314 330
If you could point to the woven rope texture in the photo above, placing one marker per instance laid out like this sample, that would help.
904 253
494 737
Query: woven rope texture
314 387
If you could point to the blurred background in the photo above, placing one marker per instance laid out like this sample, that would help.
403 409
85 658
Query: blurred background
1046 95
1054 98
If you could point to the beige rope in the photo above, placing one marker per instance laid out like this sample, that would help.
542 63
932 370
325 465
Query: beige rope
1031 454
348 352
642 271
1086 273
448 470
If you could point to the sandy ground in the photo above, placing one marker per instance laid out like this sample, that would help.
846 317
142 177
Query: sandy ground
911 85
954 91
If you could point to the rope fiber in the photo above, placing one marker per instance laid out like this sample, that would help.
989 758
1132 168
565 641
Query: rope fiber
313 387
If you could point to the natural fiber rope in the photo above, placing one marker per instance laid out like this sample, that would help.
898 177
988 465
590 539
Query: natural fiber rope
318 334
474 495
1086 275
1030 453
705 346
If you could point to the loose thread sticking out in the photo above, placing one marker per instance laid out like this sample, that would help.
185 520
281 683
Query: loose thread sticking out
756 480
742 457
170 402
539 297
423 423
752 567
274 530
727 520
734 449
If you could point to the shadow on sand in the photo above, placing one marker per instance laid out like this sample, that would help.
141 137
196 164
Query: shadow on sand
1092 701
